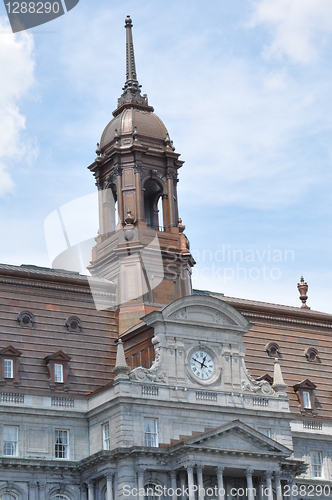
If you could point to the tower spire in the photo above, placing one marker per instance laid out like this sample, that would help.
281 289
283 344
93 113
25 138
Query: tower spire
130 56
132 89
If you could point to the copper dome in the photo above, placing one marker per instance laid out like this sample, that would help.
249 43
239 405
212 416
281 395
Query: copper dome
147 124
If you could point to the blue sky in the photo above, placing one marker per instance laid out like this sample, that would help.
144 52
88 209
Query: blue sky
244 91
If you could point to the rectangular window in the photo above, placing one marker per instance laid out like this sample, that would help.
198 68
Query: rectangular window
316 463
306 400
9 368
265 431
61 444
10 440
150 432
58 373
106 436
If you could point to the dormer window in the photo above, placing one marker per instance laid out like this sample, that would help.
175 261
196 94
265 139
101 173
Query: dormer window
58 369
305 392
9 365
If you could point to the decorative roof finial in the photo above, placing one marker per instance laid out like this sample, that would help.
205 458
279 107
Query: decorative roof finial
303 289
278 382
121 368
132 89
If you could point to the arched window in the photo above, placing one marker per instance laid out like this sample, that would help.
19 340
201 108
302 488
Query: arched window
152 194
150 492
8 496
60 497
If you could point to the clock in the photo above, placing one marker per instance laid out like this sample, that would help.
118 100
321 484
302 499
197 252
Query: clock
201 364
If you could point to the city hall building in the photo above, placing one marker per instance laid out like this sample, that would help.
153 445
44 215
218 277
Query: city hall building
161 390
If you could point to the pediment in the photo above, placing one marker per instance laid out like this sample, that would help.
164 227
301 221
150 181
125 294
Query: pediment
10 351
305 384
237 436
58 356
195 309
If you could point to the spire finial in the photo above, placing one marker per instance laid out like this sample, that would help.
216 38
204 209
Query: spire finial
132 89
130 56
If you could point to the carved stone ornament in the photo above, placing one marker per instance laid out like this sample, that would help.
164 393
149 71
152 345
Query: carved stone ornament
181 314
257 387
143 374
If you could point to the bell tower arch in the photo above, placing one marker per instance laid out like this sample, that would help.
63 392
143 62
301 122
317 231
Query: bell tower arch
143 246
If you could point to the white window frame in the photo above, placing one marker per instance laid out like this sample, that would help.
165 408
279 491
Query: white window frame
10 447
266 431
151 432
316 462
61 448
106 436
11 370
306 400
58 373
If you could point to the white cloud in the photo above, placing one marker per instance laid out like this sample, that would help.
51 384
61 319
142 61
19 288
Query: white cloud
17 70
299 28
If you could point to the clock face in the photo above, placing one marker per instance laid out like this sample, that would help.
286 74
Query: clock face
201 364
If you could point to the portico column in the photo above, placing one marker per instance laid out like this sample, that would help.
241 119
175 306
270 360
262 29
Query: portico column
109 485
250 488
190 472
173 484
32 491
140 478
220 477
91 492
183 484
293 489
278 485
268 476
199 470
41 488
83 492
260 487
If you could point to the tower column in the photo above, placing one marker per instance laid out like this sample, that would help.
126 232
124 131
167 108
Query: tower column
170 189
138 186
119 193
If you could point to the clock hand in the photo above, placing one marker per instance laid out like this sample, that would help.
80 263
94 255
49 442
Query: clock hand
202 364
196 360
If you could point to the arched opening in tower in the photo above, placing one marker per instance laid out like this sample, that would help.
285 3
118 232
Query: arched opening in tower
152 204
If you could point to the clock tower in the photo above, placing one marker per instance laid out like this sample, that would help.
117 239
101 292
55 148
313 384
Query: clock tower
141 246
